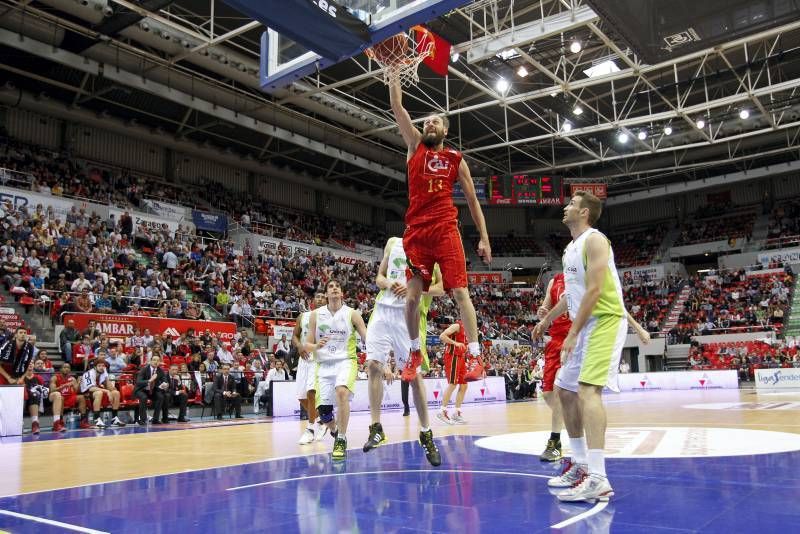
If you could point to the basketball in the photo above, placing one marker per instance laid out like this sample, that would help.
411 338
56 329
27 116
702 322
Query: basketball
390 51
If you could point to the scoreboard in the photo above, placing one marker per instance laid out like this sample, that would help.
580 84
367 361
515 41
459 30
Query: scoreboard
525 189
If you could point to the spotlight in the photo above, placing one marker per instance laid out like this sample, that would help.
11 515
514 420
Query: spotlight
668 130
700 124
744 114
622 137
567 126
577 110
522 72
185 43
107 11
166 36
642 135
502 86
145 27
575 47
553 94
454 57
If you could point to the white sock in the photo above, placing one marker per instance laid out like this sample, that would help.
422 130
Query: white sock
424 429
597 462
415 344
34 418
474 348
578 446
341 435
56 418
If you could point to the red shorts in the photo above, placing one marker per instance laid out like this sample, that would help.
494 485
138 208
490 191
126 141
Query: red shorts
455 368
552 363
426 245
70 401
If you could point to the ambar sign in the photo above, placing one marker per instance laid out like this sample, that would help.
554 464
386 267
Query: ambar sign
124 326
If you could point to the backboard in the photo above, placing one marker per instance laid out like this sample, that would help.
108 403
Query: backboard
304 36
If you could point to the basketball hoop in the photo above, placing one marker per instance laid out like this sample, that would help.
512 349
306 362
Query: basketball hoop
400 55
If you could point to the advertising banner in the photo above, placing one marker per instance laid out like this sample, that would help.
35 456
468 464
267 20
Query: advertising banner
164 209
150 221
123 326
29 200
598 190
490 389
487 277
279 330
786 255
634 275
782 378
669 381
210 222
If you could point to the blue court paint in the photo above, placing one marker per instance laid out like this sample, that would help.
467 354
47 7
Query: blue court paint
393 489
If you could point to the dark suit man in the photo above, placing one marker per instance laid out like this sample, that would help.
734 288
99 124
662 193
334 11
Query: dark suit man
175 395
151 383
511 383
225 391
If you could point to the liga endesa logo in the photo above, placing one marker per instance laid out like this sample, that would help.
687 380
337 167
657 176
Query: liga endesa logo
778 377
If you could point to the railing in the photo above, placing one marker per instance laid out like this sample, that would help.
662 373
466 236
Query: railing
781 242
12 178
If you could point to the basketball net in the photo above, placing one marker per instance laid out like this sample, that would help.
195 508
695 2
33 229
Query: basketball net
400 55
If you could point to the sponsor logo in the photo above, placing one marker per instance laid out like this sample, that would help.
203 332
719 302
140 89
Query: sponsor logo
400 263
435 164
572 270
172 332
778 377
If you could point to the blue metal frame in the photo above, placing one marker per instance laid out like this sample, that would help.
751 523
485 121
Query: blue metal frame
312 62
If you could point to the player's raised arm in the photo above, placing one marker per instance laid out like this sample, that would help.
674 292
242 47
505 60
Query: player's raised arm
465 179
410 134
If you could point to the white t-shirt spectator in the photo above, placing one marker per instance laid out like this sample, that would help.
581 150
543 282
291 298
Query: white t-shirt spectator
170 260
225 355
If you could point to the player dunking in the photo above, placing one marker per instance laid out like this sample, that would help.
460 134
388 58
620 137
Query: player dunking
387 332
306 376
332 337
432 234
591 351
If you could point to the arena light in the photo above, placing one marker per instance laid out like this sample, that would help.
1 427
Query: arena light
668 130
454 57
744 114
622 137
502 86
700 124
575 46
577 110
522 71
566 127
642 135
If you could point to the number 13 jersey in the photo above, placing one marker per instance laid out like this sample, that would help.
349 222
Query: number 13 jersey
431 175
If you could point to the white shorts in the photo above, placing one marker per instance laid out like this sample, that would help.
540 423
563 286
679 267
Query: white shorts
595 359
306 377
387 331
330 375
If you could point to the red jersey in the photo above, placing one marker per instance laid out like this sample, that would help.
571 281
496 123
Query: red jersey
458 337
431 175
560 327
64 385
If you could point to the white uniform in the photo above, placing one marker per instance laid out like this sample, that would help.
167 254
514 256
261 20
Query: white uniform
90 378
306 375
337 361
595 359
387 330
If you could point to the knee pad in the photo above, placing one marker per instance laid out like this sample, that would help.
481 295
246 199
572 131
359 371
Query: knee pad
325 412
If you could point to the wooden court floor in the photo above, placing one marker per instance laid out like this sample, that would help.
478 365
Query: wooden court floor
80 458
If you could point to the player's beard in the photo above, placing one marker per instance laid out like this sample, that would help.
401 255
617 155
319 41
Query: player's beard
433 139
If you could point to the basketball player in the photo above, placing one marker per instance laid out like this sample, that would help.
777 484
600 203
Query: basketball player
561 323
455 367
332 338
64 396
591 350
552 363
95 383
387 332
305 376
432 234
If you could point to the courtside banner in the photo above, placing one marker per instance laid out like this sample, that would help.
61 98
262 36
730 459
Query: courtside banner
489 389
678 380
123 326
782 378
